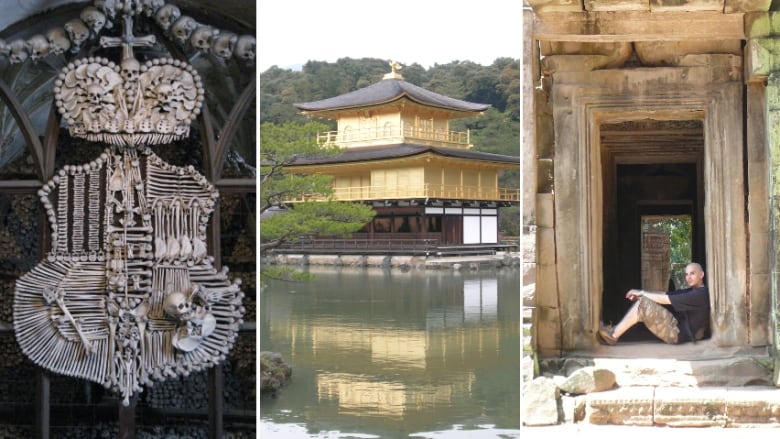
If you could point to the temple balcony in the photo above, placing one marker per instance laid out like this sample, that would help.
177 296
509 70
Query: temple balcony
431 191
419 134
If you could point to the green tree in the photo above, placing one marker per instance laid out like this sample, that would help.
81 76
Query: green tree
679 228
280 221
680 239
509 86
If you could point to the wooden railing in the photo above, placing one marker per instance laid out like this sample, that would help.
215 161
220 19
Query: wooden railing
405 132
455 192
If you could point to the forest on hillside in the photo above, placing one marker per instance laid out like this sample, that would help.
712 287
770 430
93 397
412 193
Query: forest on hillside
496 131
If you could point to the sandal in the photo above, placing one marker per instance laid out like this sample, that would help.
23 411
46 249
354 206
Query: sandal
605 335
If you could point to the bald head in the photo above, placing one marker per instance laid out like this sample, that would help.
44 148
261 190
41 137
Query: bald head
694 275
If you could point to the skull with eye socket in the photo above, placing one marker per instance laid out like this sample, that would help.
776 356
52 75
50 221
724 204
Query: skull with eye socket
98 98
166 16
131 69
95 94
202 36
93 18
18 51
77 31
58 40
182 28
167 97
178 306
38 46
245 48
222 45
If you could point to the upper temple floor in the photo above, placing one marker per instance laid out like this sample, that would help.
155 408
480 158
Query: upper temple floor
393 111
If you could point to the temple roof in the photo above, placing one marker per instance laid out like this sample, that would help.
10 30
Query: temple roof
401 151
388 90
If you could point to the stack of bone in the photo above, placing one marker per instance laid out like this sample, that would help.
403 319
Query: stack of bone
16 374
240 378
188 393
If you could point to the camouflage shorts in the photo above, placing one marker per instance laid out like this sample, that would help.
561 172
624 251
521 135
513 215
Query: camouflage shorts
658 320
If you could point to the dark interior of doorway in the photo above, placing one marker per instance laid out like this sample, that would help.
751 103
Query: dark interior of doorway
657 189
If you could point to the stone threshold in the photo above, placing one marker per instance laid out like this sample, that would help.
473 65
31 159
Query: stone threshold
657 364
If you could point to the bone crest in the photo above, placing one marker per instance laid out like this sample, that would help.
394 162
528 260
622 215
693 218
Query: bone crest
127 105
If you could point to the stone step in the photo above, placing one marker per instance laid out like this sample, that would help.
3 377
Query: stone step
683 407
639 432
689 385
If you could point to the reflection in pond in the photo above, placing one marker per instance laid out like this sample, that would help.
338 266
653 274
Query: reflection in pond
385 353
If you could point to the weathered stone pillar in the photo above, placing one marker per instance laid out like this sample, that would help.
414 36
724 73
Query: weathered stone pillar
773 162
763 66
758 214
547 316
530 78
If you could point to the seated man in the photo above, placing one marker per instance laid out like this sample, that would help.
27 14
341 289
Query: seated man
688 319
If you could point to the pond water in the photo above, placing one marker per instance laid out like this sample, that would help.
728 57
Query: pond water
390 353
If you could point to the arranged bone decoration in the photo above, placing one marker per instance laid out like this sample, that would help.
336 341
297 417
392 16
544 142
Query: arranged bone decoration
153 104
128 293
183 30
129 103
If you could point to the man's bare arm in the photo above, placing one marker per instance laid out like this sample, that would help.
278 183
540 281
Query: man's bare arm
655 296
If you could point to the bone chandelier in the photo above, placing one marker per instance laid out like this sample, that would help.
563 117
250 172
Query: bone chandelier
128 293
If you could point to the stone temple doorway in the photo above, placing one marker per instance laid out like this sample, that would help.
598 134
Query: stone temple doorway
667 120
651 169
650 197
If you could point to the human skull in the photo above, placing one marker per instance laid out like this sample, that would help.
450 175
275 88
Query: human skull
177 305
18 51
149 7
107 7
94 19
78 32
166 15
95 93
130 69
200 305
38 46
245 48
202 36
166 96
223 44
183 28
58 40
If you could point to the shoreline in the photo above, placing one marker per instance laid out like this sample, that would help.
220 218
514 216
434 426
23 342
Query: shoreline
473 262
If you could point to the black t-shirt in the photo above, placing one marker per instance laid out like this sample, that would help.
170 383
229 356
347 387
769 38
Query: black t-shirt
691 307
